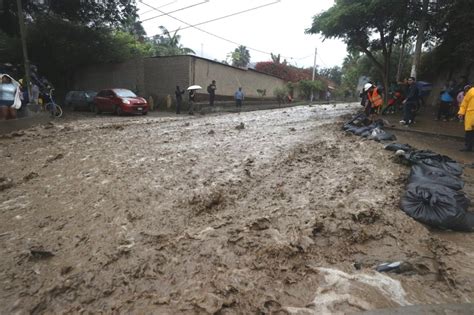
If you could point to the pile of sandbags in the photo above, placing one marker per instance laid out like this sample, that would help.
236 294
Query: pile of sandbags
434 193
361 126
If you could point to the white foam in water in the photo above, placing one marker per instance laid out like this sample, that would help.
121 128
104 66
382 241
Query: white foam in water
341 287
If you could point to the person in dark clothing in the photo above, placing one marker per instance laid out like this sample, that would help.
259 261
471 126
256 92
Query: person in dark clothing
410 102
179 99
192 98
211 89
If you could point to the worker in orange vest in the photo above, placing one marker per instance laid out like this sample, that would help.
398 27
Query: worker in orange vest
375 99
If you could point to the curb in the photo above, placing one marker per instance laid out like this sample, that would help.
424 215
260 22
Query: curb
425 133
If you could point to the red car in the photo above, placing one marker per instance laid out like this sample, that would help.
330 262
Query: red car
120 101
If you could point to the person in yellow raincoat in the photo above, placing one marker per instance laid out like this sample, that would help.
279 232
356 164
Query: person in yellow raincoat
466 112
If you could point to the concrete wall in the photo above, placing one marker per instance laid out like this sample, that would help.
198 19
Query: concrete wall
229 79
129 75
158 77
163 74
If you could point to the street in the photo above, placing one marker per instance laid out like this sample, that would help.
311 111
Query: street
258 212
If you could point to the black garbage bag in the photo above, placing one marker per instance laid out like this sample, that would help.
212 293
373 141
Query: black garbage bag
365 134
453 168
350 128
362 130
421 173
437 206
379 134
359 120
418 155
397 146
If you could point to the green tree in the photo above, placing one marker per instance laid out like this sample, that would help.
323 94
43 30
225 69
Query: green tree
451 28
368 26
168 44
240 57
106 13
60 48
308 87
334 74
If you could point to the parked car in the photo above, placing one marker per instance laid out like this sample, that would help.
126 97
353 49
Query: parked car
80 100
120 101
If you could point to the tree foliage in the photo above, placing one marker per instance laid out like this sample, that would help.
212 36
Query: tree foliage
334 74
308 87
168 44
370 26
67 35
451 29
106 13
240 57
284 71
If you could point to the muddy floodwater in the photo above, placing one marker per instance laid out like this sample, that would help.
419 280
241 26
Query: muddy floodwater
275 211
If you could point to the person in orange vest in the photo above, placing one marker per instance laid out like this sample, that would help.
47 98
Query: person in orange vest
375 99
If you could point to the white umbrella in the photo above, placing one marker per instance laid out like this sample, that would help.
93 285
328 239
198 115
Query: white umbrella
194 87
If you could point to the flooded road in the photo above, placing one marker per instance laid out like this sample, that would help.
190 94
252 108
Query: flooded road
258 212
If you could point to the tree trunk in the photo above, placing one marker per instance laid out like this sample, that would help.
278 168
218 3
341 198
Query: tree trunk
402 55
420 38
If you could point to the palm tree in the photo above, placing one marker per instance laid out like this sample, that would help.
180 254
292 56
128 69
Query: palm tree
168 45
240 57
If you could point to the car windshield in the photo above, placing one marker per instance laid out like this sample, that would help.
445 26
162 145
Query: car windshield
90 93
124 93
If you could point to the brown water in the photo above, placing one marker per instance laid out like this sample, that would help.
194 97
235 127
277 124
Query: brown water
268 211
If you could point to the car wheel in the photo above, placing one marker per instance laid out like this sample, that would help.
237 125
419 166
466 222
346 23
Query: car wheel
118 110
96 109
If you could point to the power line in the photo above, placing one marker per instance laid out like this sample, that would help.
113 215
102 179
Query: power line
229 15
204 31
214 35
167 13
162 6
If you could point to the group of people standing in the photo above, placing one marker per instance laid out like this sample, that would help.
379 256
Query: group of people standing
454 102
373 100
211 90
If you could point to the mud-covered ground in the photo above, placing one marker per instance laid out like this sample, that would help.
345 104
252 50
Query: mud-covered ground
274 211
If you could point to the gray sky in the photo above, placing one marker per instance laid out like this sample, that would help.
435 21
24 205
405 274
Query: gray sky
277 28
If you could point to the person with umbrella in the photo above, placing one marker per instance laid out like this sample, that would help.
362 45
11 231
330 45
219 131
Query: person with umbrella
192 97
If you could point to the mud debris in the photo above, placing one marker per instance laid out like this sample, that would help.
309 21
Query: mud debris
261 221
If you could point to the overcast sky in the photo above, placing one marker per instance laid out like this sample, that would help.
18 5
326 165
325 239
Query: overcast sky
277 28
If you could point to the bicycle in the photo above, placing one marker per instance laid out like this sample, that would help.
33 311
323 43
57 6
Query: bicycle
54 109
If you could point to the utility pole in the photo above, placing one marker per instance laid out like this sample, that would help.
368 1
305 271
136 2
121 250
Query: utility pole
21 21
314 72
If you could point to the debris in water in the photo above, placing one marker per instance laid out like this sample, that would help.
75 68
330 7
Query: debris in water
41 253
241 126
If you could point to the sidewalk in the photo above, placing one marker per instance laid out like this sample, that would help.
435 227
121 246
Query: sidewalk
425 123
29 120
